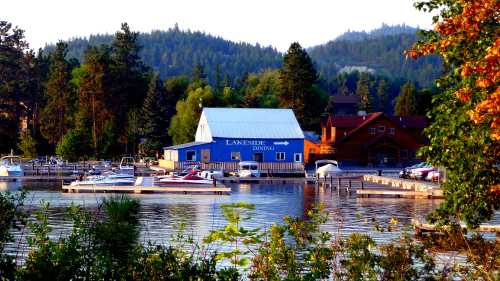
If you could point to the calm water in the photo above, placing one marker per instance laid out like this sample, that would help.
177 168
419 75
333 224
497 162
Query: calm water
161 214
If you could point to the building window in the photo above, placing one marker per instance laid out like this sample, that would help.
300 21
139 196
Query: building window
235 155
392 131
371 131
297 157
381 129
280 156
191 155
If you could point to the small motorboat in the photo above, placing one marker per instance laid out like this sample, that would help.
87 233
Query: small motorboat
327 168
192 177
127 165
10 166
106 179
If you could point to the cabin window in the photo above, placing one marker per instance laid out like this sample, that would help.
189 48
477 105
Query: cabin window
297 157
191 155
392 131
235 155
280 156
381 129
371 131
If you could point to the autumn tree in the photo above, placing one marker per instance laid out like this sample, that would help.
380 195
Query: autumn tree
406 103
56 116
465 133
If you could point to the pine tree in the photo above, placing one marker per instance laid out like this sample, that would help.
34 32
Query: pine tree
406 102
363 91
56 116
297 77
382 95
155 112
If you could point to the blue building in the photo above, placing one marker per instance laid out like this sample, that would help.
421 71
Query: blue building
230 135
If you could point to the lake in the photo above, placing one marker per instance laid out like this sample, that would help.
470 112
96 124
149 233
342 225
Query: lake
161 214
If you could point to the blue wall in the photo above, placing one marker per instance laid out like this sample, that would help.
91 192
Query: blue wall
221 148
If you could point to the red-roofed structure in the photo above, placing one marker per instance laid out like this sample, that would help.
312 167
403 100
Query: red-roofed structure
371 139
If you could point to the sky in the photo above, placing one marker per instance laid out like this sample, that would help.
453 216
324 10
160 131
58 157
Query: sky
267 22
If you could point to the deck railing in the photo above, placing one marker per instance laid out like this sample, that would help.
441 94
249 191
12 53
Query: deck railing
271 167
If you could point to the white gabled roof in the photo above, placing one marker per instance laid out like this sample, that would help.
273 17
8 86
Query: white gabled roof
248 123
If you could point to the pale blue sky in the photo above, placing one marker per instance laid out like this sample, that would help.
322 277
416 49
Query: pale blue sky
276 23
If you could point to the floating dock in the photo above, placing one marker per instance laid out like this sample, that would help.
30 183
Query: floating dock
147 185
400 193
421 228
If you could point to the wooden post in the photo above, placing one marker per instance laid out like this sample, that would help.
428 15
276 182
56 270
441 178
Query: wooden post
331 183
214 181
338 184
349 187
362 185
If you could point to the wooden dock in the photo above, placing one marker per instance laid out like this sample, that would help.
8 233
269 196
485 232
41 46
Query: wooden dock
400 193
147 185
421 228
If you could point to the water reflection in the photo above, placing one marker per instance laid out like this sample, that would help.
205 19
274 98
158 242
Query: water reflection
161 214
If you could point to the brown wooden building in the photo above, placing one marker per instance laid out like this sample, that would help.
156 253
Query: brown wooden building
372 139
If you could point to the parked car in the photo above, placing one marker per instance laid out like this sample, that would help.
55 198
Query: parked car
405 173
433 175
421 173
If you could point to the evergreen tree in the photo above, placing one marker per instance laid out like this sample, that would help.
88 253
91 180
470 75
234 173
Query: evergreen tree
406 102
14 72
363 91
129 77
382 95
92 80
155 112
297 77
56 116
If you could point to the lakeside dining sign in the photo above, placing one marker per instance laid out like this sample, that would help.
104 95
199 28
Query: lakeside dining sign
257 145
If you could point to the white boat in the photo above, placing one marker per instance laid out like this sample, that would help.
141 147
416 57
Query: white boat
109 179
127 166
10 166
248 169
327 168
192 177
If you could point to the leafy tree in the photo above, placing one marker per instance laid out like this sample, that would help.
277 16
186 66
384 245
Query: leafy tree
465 133
74 145
262 89
363 92
297 77
155 114
184 123
234 234
55 117
108 142
406 102
27 144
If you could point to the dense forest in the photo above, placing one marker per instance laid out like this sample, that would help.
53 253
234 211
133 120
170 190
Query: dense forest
111 97
175 52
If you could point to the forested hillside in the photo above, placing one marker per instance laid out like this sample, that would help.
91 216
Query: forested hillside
176 52
380 50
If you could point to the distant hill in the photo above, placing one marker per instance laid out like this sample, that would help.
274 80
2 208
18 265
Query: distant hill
176 52
380 50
